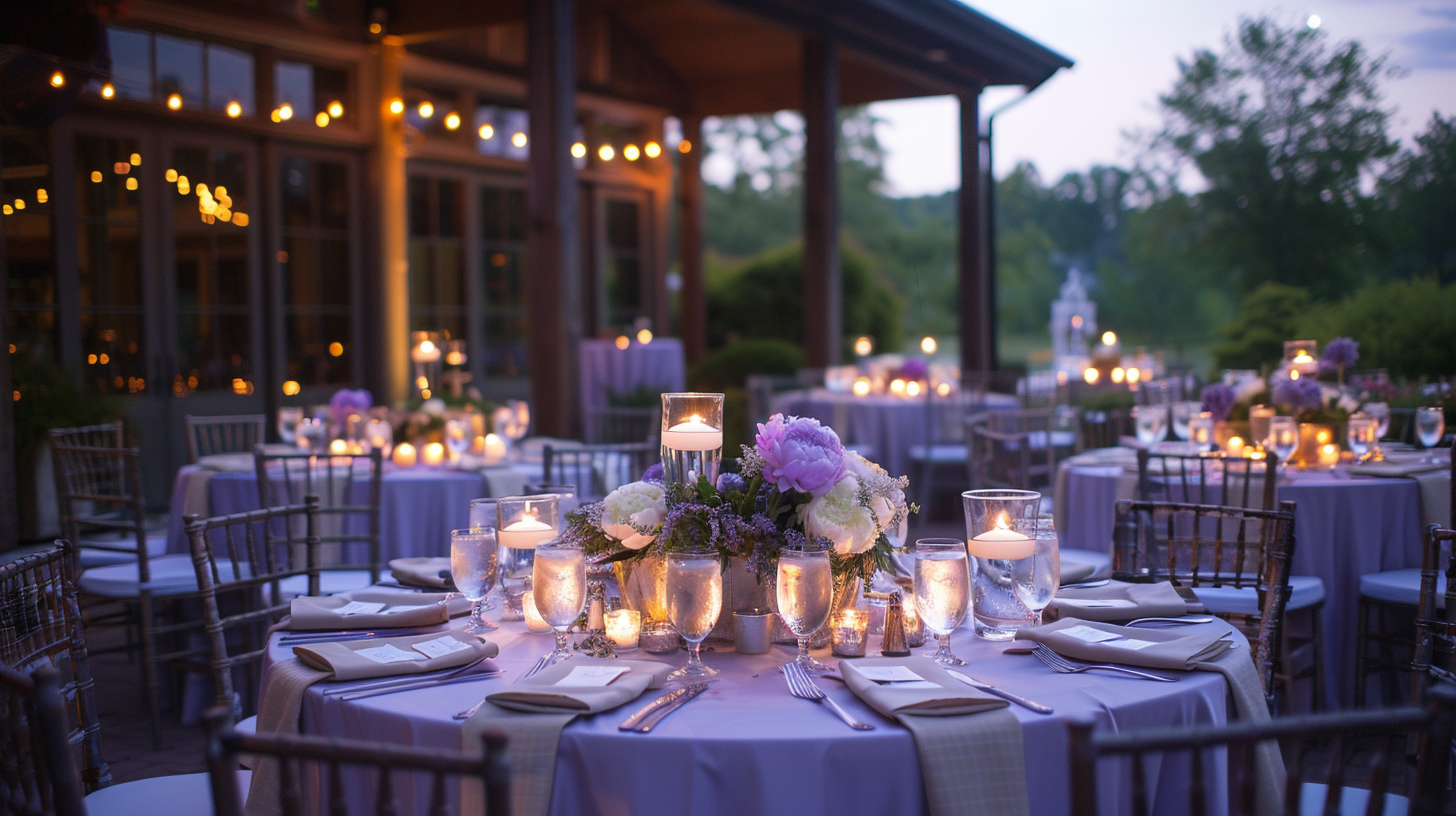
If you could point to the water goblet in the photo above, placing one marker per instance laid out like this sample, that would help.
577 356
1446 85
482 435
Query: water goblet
1037 578
1361 434
1430 426
473 567
1381 412
1151 423
288 418
1283 437
1181 413
942 591
312 434
1200 431
694 600
483 515
805 596
558 586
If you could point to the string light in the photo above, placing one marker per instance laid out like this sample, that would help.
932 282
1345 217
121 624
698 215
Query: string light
336 109
375 28
171 175
631 153
240 219
322 120
7 210
107 91
58 80
174 101
291 387
131 183
684 146
606 152
136 160
652 149
41 196
96 176
19 203
486 132
518 139
426 109
336 349
285 111
452 120
396 106
234 110
578 151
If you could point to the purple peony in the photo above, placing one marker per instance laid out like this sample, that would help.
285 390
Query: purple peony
1218 399
1302 394
346 402
1341 353
728 482
915 369
653 473
800 454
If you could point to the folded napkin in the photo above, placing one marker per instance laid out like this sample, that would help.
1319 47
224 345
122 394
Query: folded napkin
1074 572
534 711
400 610
286 681
1432 478
228 462
421 571
969 765
1119 601
1168 649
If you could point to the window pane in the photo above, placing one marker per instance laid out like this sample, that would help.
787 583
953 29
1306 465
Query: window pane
131 62
449 212
331 85
192 163
295 175
333 181
333 272
229 78
293 83
110 266
308 337
419 205
179 69
102 169
113 348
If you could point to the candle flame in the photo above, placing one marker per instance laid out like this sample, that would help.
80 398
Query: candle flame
1302 357
695 419
1003 522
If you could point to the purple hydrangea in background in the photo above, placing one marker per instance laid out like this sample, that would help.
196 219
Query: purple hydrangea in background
1341 353
915 369
1300 395
345 402
1218 399
800 454
653 473
728 482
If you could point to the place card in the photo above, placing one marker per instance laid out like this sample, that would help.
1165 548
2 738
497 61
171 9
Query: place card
889 674
359 608
388 653
1087 634
397 609
592 675
1130 643
440 646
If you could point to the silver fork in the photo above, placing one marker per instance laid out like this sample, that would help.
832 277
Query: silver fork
803 686
1064 665
541 663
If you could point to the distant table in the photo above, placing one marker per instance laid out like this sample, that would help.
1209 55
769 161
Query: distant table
607 369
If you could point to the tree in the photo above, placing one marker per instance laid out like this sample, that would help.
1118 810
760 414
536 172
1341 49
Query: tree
1282 125
1267 317
1421 197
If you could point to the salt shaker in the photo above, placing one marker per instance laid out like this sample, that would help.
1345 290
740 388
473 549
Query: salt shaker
893 642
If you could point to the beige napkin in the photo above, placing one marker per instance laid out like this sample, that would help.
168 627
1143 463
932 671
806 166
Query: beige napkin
1119 601
420 571
533 713
419 609
1433 479
1180 651
969 765
287 680
228 462
1074 572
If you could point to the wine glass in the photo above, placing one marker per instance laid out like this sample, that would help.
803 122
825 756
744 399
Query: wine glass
312 433
1200 431
288 419
694 600
1381 412
1430 426
1182 412
805 595
1361 434
942 590
457 436
1283 437
473 567
1036 579
558 586
1151 423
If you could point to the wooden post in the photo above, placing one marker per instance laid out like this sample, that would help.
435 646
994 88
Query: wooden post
8 504
976 299
553 251
393 352
822 287
690 242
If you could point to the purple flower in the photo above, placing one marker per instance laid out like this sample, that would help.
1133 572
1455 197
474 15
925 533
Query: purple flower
1218 399
653 473
800 454
914 370
1302 394
1342 352
728 482
346 402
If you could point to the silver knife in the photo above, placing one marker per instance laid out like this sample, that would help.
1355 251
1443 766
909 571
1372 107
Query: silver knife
663 704
1000 692
657 716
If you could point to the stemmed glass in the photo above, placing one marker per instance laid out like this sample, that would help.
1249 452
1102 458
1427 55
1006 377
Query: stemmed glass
473 568
694 600
942 590
1361 434
288 419
483 516
1283 437
558 585
805 595
1151 423
1182 412
1430 426
1381 412
1037 578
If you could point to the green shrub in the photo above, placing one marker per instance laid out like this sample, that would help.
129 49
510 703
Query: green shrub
50 398
1403 326
1267 317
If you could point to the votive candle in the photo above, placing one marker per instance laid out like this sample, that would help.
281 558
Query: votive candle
624 626
849 632
404 455
914 629
534 621
1329 455
434 454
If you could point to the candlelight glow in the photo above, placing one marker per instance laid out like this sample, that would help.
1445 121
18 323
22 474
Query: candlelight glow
107 91
1133 375
426 109
928 345
1109 338
1118 374
174 102
1293 374
897 386
452 120
285 111
578 151
234 110
652 149
1090 375
58 79
486 132
631 153
623 342
396 107
644 337
322 120
912 388
518 139
606 153
943 389
862 387
863 346
336 109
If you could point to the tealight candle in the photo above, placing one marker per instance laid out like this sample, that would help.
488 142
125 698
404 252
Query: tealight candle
862 387
1001 542
849 631
534 621
1329 455
338 446
434 454
624 626
658 637
495 449
526 533
1235 446
692 435
914 629
477 446
404 455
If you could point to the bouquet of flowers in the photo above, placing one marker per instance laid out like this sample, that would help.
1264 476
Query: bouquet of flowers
797 482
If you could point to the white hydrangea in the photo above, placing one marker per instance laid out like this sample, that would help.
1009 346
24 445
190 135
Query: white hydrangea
840 517
633 514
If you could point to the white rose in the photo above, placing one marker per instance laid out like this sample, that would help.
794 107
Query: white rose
839 517
883 506
632 508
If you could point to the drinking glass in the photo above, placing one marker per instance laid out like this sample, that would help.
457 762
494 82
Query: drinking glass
1036 578
558 586
694 599
1200 431
567 498
482 516
1151 423
1000 530
288 419
1182 412
1259 416
312 434
1283 437
473 567
1381 412
1361 434
457 436
942 591
692 437
1430 426
805 596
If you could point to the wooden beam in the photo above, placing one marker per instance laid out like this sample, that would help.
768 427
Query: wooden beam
553 249
690 242
393 338
822 288
977 295
9 531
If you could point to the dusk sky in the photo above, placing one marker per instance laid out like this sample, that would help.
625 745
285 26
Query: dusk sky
1126 54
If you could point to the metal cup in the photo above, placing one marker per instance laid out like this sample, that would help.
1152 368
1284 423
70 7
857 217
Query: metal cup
752 632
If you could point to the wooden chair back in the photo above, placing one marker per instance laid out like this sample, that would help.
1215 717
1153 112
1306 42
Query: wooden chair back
613 425
1229 481
37 773
41 624
1012 448
596 470
348 487
1102 429
761 390
1198 545
302 757
208 435
1323 753
99 489
240 565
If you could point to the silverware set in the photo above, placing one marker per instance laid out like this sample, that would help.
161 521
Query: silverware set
347 635
1064 665
803 686
654 712
541 662
443 677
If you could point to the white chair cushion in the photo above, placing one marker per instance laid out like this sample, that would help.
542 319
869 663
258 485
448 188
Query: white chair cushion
331 581
171 575
91 556
1352 801
1305 591
1402 586
189 794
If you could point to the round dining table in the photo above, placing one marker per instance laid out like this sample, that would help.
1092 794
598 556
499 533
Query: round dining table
748 746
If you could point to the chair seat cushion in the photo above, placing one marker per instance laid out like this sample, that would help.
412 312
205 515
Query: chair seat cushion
1402 586
170 575
1306 591
92 556
1352 801
331 581
160 796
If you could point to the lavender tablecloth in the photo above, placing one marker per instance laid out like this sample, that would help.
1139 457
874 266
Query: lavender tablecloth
1344 527
747 746
604 367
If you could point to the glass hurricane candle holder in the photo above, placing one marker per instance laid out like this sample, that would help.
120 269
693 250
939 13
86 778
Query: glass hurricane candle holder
692 437
1000 534
624 626
1301 356
521 523
658 637
849 633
